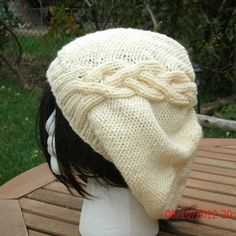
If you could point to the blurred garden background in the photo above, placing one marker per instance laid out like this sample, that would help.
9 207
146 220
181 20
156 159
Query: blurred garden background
32 31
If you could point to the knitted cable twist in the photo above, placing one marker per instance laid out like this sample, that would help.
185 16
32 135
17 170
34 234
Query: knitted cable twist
145 79
117 80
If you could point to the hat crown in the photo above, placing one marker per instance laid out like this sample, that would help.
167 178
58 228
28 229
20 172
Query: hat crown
128 45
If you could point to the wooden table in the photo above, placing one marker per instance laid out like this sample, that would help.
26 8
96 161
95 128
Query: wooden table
35 204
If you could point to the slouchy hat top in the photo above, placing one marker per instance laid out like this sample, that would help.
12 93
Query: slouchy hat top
130 94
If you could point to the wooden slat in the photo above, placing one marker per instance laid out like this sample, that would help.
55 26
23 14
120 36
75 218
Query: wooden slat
11 219
191 229
36 233
221 150
50 211
214 155
214 142
214 170
26 182
59 187
210 197
214 162
219 222
231 147
50 226
56 198
161 233
230 143
208 206
212 187
213 178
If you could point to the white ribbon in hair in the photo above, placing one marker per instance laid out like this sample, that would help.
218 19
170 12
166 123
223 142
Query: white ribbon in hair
50 128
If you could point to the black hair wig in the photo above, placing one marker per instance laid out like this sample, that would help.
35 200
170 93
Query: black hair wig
75 154
72 152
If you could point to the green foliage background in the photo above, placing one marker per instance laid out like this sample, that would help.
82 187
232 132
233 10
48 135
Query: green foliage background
18 147
206 28
7 18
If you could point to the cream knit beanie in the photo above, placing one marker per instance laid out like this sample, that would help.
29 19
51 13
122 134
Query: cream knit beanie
130 94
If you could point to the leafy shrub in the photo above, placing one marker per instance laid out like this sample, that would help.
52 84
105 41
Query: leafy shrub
6 18
205 28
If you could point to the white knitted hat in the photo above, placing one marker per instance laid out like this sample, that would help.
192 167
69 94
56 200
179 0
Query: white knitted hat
130 95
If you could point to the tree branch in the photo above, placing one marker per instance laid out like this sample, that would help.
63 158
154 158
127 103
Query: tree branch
218 104
109 15
93 14
15 70
18 59
211 121
156 25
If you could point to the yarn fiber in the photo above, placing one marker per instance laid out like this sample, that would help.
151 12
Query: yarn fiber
130 94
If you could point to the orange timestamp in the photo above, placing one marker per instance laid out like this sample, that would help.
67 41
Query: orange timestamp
200 214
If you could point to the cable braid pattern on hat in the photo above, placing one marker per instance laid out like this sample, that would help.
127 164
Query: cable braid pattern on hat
119 80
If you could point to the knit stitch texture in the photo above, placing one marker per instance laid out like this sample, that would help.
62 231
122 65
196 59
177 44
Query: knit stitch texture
130 94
